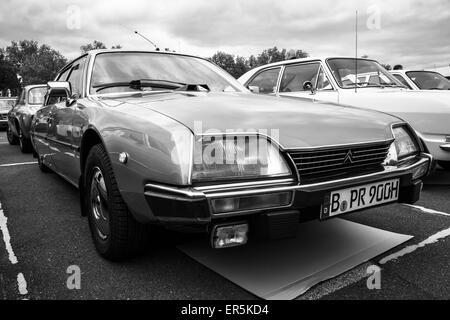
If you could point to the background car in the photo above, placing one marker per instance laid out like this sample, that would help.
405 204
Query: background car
6 104
361 83
157 138
20 116
422 80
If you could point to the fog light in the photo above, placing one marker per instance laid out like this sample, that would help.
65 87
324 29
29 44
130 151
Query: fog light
266 201
229 236
420 171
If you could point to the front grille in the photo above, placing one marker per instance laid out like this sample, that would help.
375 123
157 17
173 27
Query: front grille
324 164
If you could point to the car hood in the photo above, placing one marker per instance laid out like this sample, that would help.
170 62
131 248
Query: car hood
427 111
300 122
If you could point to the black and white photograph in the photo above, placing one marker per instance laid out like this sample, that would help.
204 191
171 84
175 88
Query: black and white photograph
225 155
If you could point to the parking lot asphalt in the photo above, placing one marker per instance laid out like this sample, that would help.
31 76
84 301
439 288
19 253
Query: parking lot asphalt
47 235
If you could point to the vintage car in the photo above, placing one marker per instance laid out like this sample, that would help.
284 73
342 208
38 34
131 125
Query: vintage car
422 80
361 83
6 104
172 139
19 117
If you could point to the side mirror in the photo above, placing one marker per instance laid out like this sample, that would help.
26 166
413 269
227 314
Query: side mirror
254 89
57 90
307 85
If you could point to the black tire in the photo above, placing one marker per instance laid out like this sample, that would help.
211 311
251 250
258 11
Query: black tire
42 166
445 165
12 139
116 234
24 143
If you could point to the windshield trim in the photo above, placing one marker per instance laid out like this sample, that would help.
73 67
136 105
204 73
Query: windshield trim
90 65
400 85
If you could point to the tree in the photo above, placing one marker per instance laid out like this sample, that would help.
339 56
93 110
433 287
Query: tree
96 45
225 61
8 75
36 64
92 46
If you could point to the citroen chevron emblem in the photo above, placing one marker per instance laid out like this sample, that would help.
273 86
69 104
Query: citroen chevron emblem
349 157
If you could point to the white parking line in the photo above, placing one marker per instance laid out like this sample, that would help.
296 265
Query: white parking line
21 282
18 164
433 239
426 210
6 236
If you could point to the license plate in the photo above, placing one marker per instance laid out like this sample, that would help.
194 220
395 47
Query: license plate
361 197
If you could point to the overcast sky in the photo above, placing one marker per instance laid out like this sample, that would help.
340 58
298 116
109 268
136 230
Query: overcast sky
415 33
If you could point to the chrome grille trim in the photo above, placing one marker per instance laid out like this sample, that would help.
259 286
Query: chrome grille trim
316 165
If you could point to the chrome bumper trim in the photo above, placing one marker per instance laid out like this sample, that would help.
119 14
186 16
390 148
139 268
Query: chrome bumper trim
226 191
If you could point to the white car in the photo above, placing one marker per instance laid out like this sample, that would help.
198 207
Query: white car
361 83
422 80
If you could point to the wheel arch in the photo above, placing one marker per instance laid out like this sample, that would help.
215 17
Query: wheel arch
91 137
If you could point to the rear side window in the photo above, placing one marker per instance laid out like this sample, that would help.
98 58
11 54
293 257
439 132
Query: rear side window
265 82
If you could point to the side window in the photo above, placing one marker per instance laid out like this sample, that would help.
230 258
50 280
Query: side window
295 76
76 77
265 82
323 83
402 80
63 76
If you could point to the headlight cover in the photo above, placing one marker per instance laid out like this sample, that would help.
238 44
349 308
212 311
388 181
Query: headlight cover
237 157
405 144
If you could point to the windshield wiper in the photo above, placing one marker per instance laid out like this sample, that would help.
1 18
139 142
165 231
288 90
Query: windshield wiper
152 83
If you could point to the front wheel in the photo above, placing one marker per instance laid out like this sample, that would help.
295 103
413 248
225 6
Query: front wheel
445 165
12 139
116 234
24 143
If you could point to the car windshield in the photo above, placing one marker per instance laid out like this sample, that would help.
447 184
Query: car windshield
140 71
364 73
427 80
6 105
36 95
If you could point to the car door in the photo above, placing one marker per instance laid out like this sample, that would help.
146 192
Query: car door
62 130
295 77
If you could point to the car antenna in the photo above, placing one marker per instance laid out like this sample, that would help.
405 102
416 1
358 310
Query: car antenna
147 39
356 53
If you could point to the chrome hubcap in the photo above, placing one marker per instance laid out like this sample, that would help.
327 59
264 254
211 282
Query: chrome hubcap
99 204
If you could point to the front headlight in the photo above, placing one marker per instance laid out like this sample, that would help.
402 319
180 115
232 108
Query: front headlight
405 145
234 158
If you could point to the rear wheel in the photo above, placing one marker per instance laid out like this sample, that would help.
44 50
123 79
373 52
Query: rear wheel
12 139
445 165
24 143
116 234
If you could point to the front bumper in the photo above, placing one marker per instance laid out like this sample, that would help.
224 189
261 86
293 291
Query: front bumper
192 205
